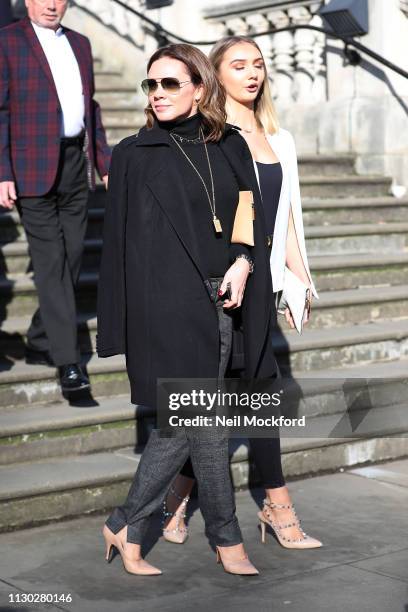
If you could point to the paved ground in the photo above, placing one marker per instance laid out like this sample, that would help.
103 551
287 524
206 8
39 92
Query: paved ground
361 516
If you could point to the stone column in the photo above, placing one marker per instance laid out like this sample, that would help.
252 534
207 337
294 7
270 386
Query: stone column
260 23
282 63
303 47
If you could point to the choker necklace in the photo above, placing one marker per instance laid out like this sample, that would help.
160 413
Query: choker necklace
211 201
190 140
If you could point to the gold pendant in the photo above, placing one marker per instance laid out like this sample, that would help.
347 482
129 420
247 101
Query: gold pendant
217 225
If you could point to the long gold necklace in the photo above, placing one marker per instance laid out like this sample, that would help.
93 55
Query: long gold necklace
211 201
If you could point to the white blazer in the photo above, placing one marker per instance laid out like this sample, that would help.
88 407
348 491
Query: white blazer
283 146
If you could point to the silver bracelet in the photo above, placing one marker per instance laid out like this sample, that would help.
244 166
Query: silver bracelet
248 259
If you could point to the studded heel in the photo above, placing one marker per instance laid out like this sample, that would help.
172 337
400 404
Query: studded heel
265 519
178 535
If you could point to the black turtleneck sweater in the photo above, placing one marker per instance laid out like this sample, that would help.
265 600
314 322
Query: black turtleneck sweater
216 251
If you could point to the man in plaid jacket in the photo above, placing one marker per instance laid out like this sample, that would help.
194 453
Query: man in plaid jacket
51 141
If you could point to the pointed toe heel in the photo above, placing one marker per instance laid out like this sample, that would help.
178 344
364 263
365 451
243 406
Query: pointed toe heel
265 518
240 567
114 546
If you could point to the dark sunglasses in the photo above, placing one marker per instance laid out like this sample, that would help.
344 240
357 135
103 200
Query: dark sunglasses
169 84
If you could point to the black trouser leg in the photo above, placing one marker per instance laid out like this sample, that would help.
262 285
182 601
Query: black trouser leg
55 225
266 453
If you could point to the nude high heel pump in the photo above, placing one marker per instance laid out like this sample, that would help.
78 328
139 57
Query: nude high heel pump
114 546
241 567
265 519
178 535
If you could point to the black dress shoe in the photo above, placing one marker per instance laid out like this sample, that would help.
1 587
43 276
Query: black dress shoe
34 357
72 378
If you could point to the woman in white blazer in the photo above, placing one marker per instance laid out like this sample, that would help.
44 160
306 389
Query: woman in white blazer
241 69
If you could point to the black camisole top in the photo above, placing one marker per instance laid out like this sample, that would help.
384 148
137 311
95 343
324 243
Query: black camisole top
270 181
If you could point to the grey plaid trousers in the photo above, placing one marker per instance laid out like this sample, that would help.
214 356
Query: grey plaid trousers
163 458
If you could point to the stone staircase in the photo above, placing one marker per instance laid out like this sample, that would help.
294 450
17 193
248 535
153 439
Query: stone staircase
61 458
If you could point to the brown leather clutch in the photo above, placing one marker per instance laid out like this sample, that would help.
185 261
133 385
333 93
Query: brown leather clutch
243 230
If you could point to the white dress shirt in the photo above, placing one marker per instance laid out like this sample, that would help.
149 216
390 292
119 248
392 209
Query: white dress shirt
67 78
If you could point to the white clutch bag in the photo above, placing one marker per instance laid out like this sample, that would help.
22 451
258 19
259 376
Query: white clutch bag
295 296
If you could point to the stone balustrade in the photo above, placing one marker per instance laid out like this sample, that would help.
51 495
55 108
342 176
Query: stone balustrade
295 59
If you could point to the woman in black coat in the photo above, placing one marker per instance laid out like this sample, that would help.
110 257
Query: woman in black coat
173 192
241 70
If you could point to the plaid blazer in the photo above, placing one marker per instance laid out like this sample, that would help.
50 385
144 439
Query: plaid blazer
30 112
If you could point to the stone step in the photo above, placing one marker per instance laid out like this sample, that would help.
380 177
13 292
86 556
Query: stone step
337 211
59 488
326 165
13 334
25 385
330 273
363 212
125 98
335 272
315 350
357 306
15 257
368 212
362 238
117 133
319 349
42 431
123 117
352 388
333 309
320 240
19 296
100 70
61 429
11 228
111 81
344 186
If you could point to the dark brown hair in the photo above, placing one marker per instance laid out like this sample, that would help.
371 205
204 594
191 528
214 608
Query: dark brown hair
212 103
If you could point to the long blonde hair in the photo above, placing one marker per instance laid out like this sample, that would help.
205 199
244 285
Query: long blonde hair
212 103
264 108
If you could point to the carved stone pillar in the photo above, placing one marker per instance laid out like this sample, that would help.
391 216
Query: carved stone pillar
304 59
237 25
259 23
282 64
319 88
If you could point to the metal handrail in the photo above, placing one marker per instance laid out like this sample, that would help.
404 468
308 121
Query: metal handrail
163 35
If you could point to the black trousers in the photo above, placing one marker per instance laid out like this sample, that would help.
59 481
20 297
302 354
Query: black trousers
55 225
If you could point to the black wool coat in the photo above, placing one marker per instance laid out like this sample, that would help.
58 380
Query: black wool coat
154 303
